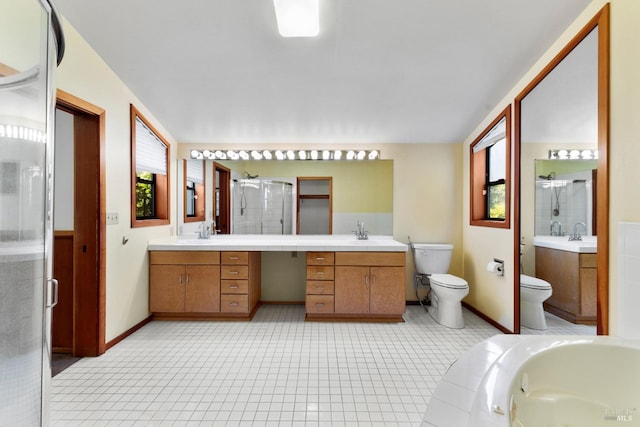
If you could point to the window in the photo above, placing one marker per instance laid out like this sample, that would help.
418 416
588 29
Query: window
194 190
490 161
150 174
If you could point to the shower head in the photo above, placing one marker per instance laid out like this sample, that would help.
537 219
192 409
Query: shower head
551 176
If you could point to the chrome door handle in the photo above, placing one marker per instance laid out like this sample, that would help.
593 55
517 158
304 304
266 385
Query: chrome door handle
54 282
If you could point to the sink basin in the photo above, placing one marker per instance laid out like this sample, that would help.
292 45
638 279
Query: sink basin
588 244
364 242
194 242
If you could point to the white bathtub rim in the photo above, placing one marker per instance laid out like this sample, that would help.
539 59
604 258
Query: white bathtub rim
494 393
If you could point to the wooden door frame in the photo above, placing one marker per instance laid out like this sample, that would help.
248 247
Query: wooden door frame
300 197
600 21
89 276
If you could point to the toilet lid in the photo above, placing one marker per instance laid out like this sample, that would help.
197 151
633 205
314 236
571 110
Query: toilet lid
533 282
449 281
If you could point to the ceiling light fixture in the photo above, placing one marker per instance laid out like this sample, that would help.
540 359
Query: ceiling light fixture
297 18
260 154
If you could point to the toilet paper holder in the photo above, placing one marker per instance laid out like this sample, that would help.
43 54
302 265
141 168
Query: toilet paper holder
496 266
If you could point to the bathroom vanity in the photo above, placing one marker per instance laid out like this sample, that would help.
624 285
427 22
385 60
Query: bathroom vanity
219 277
571 268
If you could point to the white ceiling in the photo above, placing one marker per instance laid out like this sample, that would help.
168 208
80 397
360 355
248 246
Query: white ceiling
381 71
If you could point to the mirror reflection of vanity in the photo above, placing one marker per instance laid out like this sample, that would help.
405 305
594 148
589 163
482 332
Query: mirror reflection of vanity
564 109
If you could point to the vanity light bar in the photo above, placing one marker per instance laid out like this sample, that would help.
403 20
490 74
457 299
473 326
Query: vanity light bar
285 154
573 154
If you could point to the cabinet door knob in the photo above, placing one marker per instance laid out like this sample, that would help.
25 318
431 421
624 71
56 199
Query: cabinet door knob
233 303
319 304
320 288
234 272
233 287
233 258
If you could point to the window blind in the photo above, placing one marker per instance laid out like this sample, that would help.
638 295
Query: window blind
151 152
195 171
496 134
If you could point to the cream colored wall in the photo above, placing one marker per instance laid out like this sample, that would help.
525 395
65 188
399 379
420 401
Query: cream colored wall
624 152
84 74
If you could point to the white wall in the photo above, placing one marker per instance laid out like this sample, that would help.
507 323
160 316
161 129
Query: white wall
84 74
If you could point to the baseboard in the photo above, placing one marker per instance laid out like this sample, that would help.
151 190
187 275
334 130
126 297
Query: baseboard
128 332
487 319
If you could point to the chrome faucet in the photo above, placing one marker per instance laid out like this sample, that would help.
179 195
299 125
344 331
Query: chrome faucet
576 234
553 226
204 232
361 233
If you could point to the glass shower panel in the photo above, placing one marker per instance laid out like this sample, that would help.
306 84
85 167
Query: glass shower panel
262 207
27 57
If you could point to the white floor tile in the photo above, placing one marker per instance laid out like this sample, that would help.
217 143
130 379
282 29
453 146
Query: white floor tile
275 370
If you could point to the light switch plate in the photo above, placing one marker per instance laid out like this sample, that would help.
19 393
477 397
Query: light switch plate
112 218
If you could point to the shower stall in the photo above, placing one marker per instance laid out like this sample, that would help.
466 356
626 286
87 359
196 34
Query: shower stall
31 44
563 201
262 206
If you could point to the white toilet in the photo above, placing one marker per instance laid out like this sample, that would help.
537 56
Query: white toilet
447 290
533 292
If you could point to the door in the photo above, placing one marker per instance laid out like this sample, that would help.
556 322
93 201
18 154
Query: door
387 290
166 288
222 198
202 289
352 290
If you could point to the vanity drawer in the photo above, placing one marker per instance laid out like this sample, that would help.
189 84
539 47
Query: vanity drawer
234 286
234 272
319 272
320 258
320 287
319 304
234 303
234 258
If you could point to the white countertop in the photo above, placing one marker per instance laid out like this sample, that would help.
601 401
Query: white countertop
588 244
278 243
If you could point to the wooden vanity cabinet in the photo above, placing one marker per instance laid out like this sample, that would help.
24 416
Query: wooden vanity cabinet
573 278
240 282
370 283
184 282
320 285
204 284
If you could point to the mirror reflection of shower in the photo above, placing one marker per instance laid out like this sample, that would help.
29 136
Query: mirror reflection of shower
563 200
262 206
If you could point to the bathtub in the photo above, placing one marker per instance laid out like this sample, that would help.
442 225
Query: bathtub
533 381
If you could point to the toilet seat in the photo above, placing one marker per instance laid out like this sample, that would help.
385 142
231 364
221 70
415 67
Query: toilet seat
448 281
533 283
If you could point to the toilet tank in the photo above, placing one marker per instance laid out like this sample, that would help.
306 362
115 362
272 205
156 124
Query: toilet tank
432 258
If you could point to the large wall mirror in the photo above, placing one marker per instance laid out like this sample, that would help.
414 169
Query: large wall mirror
362 190
561 181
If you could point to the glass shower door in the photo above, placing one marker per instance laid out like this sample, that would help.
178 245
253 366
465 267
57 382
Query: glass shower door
27 56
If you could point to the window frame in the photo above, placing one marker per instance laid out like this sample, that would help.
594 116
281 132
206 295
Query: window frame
479 177
162 207
199 191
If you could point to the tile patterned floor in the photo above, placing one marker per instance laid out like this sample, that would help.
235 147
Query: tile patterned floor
276 370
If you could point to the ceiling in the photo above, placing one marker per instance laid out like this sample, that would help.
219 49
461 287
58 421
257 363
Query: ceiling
381 71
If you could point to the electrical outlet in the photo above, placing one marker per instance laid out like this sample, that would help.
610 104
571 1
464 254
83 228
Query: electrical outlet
112 218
